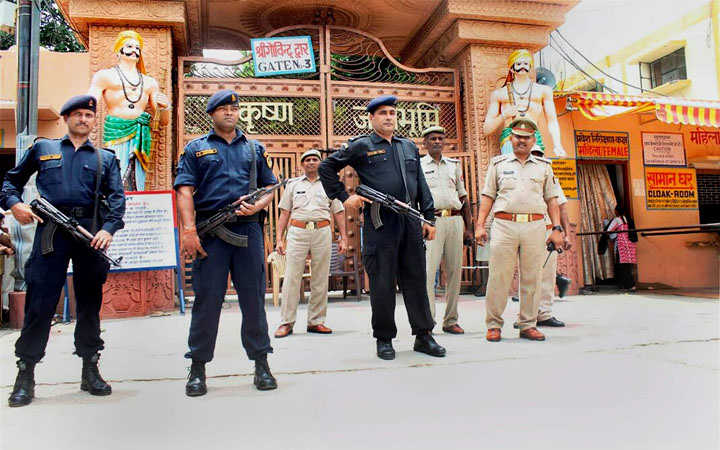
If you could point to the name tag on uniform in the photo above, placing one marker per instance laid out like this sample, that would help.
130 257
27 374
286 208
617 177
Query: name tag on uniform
508 172
376 152
50 157
201 153
430 171
299 192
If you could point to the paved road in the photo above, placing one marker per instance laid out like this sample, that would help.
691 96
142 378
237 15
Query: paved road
629 372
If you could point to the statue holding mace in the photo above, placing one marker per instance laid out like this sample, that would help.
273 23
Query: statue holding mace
127 92
520 96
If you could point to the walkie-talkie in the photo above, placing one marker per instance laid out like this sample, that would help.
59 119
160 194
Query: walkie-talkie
551 248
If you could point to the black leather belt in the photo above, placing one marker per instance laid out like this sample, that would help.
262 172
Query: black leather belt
78 212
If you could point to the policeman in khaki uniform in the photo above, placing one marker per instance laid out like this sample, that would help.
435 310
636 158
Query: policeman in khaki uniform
306 207
521 189
445 180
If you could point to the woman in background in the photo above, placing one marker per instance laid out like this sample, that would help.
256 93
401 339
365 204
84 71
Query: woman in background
625 249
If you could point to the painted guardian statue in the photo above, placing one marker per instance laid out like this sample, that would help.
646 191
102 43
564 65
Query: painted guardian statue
520 97
129 93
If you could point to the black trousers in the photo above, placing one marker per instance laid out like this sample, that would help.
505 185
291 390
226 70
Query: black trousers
395 254
45 276
246 266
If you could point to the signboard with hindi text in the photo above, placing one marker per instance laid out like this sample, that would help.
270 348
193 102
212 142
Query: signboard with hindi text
148 241
565 171
602 144
671 188
282 55
663 149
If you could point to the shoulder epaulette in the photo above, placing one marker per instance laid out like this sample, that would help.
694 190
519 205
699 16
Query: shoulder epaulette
452 159
109 150
352 139
543 159
498 158
38 138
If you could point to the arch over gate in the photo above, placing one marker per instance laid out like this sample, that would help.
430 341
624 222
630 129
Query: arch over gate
291 114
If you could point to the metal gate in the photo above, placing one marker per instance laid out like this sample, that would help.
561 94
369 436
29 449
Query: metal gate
291 114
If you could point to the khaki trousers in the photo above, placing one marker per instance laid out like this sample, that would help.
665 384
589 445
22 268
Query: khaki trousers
508 239
546 285
300 241
447 246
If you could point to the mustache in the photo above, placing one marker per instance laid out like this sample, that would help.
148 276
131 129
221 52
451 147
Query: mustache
136 53
522 69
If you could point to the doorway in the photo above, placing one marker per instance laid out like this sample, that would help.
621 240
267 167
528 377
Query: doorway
602 185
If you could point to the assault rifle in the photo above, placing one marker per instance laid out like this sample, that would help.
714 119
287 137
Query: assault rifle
55 217
390 202
210 225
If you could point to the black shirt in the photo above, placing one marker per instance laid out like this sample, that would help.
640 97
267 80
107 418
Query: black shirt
377 163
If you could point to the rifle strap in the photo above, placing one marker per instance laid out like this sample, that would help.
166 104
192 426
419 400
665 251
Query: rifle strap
96 204
47 237
401 155
253 167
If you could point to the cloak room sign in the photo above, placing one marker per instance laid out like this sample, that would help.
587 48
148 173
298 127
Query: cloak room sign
602 144
671 188
283 55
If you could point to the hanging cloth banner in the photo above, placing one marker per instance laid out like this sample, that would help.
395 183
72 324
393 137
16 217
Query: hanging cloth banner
598 106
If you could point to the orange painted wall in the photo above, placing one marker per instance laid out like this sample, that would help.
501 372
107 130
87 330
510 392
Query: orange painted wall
661 259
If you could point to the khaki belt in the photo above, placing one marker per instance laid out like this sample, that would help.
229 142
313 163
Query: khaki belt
447 212
309 225
515 217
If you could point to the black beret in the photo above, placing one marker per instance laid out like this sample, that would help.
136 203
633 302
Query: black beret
79 102
380 101
220 98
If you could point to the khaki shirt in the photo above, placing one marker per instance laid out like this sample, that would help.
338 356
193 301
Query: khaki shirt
520 188
445 181
561 199
306 200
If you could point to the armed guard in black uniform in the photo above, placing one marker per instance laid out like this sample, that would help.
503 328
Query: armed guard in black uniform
393 253
73 176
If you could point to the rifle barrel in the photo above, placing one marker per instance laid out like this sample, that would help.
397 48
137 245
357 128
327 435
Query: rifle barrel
712 226
678 232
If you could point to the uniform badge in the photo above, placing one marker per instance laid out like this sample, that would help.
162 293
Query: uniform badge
376 152
508 172
201 153
429 172
50 157
268 160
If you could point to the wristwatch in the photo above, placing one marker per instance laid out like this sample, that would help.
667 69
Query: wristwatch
558 227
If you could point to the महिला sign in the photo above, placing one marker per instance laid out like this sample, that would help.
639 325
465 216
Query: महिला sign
282 55
602 144
663 149
671 188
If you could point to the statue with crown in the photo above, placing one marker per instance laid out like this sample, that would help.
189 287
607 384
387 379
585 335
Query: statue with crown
521 96
128 93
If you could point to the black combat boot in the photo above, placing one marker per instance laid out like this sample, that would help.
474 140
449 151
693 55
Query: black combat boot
24 389
196 386
264 381
92 381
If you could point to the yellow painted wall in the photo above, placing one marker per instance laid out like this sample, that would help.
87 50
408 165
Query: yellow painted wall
61 76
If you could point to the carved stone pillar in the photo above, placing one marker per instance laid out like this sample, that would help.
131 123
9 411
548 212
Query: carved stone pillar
477 38
161 23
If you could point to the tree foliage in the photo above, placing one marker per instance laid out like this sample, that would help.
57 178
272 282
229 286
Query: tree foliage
55 33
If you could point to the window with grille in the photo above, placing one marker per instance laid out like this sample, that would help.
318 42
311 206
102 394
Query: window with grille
663 70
